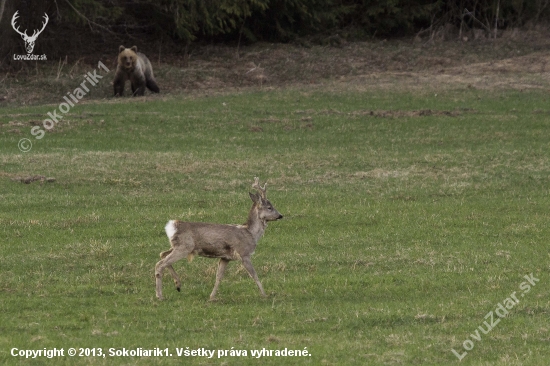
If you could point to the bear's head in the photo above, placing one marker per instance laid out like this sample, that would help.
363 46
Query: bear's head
127 57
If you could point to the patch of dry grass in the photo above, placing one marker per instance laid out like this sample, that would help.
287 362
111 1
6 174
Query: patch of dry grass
513 61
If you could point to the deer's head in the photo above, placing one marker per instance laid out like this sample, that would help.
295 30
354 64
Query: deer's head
29 40
266 211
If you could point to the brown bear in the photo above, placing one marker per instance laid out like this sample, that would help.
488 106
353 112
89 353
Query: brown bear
136 67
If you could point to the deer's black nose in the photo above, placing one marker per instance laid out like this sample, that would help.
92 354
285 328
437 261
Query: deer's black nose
280 217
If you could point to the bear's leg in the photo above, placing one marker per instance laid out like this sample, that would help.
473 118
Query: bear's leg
138 87
118 84
138 91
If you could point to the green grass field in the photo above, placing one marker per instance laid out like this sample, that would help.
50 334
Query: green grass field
409 216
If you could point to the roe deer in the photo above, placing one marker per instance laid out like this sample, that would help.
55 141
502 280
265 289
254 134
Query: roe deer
227 242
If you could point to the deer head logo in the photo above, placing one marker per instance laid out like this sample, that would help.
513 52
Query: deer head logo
29 41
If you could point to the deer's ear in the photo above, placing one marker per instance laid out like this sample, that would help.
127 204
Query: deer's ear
254 197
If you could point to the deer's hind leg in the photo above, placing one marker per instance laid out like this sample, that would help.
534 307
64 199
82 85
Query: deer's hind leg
171 270
168 258
175 277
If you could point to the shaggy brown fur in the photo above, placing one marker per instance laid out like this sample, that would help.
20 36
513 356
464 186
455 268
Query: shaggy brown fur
136 67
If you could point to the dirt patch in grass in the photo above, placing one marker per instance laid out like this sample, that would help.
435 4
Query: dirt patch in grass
34 178
404 113
381 113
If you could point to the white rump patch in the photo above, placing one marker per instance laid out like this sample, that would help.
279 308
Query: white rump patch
170 229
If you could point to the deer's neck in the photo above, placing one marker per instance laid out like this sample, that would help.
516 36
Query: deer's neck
255 225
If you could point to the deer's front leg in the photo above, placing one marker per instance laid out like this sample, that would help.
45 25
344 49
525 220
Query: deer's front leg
219 275
248 265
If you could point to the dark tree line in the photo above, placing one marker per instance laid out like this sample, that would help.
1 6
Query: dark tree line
77 24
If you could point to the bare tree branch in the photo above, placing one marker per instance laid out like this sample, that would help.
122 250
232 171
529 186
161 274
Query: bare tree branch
496 18
2 5
88 20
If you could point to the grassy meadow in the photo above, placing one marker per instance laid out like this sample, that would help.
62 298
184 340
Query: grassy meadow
409 216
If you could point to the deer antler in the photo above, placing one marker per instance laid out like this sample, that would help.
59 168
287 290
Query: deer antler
24 34
260 189
37 32
13 19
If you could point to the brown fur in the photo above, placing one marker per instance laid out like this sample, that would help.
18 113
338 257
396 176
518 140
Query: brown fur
137 68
